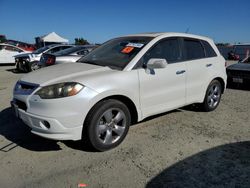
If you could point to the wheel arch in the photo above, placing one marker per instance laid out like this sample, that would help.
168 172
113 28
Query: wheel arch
125 100
223 84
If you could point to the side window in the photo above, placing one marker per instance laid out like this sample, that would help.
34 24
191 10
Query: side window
83 52
168 49
53 50
208 49
194 49
12 49
64 47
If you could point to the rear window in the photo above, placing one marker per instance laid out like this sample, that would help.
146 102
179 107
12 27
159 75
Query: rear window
208 49
194 49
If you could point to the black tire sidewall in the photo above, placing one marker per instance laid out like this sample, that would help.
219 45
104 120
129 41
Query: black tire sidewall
93 117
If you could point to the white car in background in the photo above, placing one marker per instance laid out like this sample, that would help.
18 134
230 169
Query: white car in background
120 83
7 53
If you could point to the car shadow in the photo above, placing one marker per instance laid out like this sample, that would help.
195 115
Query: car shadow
223 166
15 71
18 135
84 146
157 116
80 145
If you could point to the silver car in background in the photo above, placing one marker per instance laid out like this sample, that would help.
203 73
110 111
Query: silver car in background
28 62
65 56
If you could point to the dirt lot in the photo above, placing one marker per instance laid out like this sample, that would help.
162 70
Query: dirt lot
182 148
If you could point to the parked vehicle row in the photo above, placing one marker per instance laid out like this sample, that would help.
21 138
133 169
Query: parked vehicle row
29 61
121 82
51 55
68 55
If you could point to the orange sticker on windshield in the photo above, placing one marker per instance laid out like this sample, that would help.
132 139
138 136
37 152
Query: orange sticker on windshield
127 49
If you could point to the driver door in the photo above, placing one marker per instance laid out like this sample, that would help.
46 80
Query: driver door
163 89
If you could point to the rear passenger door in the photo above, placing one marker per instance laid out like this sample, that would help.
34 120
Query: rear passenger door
199 67
163 89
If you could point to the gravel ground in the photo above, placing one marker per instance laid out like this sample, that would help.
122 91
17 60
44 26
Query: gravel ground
181 148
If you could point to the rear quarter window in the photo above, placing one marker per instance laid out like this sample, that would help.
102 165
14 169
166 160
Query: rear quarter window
208 49
194 49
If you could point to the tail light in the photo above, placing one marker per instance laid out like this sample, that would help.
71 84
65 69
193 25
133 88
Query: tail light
50 61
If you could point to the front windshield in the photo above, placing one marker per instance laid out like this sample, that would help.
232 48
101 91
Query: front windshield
116 53
41 50
68 50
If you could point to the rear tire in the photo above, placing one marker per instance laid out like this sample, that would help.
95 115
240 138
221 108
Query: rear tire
212 97
107 124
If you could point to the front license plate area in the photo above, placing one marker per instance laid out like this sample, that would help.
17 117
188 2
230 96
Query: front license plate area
238 80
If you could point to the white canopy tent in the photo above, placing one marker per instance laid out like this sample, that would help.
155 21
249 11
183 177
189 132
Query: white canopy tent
51 38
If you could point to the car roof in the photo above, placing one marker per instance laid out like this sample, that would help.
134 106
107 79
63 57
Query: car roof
53 45
6 44
169 34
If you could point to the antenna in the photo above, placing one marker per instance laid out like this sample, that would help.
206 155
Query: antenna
187 30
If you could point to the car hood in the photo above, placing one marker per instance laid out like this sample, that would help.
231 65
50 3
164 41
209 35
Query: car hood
62 73
25 54
31 55
239 66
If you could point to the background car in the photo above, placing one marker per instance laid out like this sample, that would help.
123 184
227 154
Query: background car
29 61
65 56
7 53
240 72
242 50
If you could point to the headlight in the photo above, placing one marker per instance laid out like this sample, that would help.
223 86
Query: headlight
59 90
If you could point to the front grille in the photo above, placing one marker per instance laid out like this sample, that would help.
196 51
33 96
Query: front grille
21 104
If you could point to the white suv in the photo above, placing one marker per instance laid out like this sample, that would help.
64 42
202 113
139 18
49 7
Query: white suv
120 83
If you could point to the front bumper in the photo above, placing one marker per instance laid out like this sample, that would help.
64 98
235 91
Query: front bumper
58 119
47 127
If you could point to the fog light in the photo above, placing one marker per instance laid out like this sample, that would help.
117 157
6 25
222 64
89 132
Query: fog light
46 124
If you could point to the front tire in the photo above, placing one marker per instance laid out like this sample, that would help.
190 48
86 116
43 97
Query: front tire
107 124
33 66
212 97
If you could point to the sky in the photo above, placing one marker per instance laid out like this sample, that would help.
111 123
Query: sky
98 21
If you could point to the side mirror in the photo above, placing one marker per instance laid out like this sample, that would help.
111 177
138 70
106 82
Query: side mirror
156 63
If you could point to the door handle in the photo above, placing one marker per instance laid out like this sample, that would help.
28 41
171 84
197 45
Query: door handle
180 72
208 65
